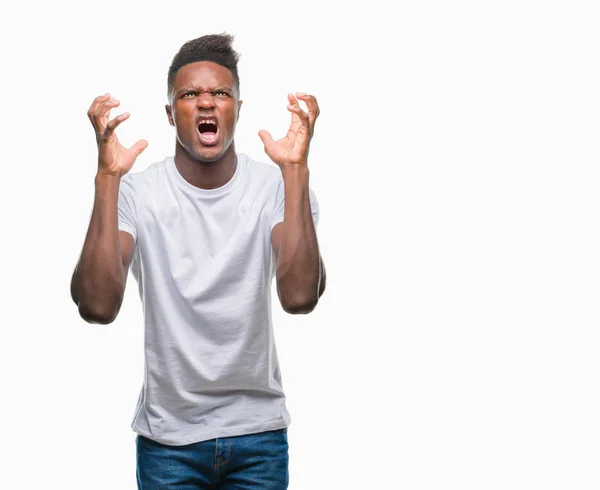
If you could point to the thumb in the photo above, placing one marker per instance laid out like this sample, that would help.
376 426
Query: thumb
265 137
139 147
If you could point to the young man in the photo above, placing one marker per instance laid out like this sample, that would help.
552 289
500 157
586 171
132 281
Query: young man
205 231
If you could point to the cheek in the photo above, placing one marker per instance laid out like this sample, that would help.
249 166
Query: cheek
184 122
232 117
182 111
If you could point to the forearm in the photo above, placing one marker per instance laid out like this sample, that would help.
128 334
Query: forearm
298 259
98 282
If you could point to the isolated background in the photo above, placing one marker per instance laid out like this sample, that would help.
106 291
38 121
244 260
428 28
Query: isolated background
456 162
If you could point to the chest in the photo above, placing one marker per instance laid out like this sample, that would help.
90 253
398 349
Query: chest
212 245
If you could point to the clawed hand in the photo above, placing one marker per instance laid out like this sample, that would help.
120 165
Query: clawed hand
292 149
113 157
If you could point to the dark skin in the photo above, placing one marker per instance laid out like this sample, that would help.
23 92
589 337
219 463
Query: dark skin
204 89
200 90
98 282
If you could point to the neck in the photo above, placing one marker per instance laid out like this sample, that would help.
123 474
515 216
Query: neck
206 175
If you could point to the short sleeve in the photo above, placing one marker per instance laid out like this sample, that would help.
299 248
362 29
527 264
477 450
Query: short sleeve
280 205
127 207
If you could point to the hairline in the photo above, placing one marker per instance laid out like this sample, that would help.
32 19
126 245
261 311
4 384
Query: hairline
236 80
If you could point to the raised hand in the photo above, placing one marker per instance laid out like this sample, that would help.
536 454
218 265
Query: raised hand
113 158
292 149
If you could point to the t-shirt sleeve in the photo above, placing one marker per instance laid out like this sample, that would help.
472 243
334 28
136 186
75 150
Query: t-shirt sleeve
127 207
280 204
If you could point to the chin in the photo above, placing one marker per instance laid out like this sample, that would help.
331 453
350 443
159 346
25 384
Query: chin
208 154
209 157
213 153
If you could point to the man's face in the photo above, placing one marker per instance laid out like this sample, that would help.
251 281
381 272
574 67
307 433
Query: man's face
204 109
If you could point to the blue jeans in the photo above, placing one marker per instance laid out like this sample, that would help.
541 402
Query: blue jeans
255 461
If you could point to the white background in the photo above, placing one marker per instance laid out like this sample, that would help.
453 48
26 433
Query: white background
456 162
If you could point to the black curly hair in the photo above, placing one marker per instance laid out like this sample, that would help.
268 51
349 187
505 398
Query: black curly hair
211 47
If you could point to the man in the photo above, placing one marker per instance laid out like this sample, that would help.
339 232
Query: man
205 231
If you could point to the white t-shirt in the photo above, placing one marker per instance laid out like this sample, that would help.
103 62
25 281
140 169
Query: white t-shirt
204 264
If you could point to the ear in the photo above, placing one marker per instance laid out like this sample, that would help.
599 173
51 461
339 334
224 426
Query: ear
239 107
170 114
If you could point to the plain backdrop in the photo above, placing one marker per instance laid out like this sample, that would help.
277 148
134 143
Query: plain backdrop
456 163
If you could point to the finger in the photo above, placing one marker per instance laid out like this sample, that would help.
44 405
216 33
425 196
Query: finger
265 137
101 113
312 105
297 110
113 123
101 98
104 107
99 102
310 101
293 102
96 101
139 147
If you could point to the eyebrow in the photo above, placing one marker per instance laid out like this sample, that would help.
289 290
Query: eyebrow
195 89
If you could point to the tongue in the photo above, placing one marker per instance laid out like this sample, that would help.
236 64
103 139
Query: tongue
208 138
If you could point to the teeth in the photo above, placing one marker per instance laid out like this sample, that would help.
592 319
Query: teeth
207 121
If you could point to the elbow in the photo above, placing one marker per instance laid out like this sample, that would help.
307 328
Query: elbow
99 307
297 298
96 315
299 305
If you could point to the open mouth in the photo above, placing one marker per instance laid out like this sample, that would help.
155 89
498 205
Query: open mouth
208 131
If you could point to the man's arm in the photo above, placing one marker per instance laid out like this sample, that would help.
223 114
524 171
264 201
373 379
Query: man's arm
99 279
300 272
98 282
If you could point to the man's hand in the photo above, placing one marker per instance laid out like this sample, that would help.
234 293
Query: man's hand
113 158
292 149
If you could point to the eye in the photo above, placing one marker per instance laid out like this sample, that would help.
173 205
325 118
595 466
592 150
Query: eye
188 95
221 93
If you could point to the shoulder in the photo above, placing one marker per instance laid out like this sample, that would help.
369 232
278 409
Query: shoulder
264 180
263 176
147 178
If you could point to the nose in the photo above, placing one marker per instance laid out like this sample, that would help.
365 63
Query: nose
205 101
